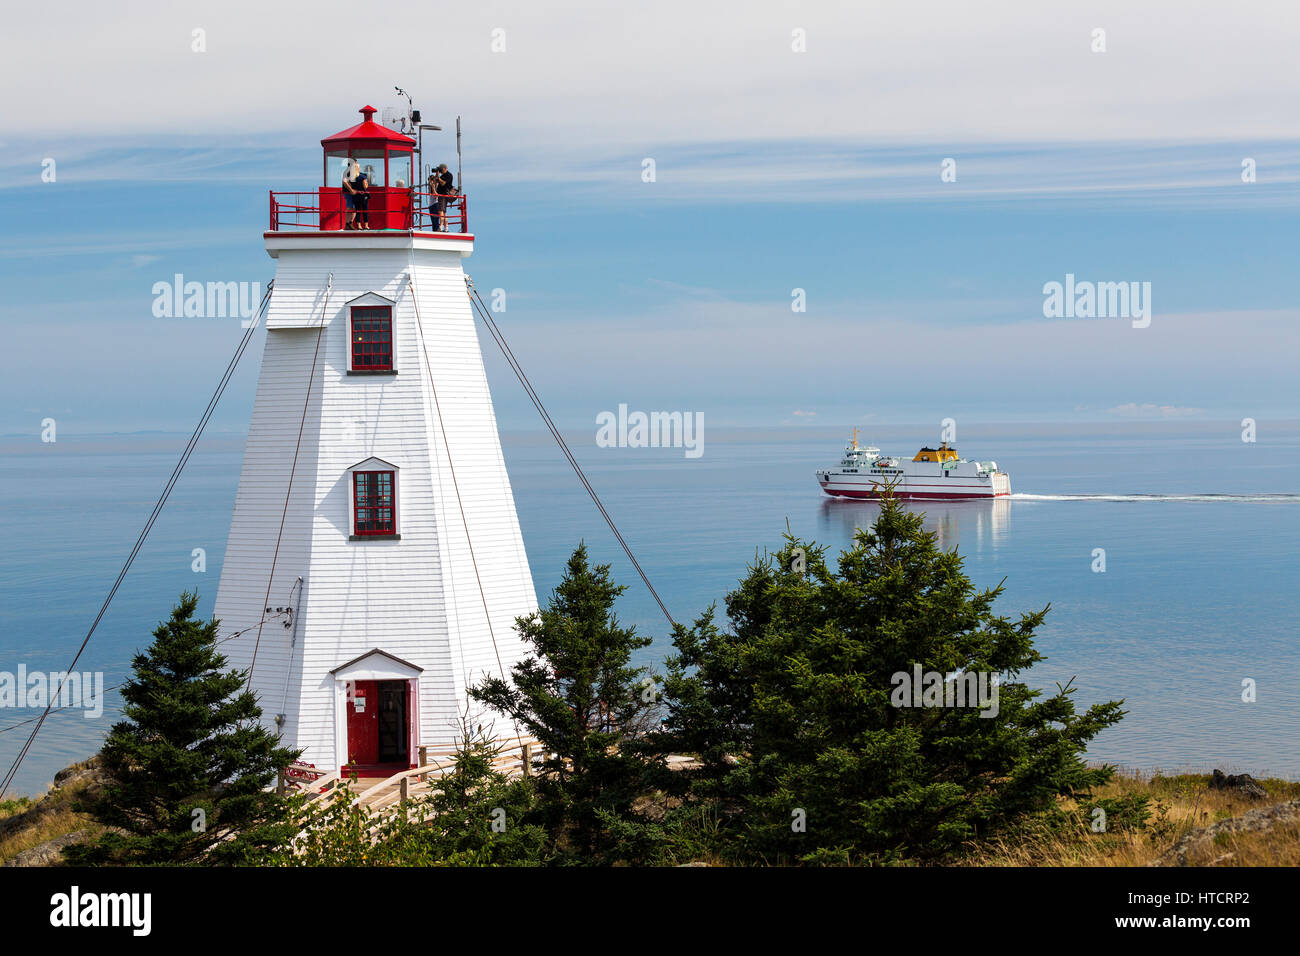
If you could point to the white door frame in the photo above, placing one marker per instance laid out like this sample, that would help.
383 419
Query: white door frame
375 664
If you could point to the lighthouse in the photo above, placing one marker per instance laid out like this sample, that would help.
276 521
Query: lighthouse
375 566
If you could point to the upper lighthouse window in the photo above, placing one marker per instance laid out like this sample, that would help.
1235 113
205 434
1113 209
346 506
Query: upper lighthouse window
370 334
372 338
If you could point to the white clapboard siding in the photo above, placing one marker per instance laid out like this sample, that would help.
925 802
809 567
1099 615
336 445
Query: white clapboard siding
417 598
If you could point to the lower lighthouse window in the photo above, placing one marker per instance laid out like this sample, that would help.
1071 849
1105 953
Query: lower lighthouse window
375 503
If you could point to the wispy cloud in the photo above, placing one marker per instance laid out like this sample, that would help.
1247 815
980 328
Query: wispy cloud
76 242
773 173
1150 410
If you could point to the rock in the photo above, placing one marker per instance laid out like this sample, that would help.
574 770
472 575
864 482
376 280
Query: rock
1199 845
1242 783
49 853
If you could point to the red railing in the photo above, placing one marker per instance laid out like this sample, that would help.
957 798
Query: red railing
377 209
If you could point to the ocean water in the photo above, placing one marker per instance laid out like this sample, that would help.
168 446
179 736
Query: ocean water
1198 595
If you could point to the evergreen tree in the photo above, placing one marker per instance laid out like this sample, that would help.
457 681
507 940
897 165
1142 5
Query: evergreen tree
798 718
589 708
188 766
478 817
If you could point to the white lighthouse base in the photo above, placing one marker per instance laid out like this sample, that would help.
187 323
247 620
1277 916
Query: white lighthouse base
383 635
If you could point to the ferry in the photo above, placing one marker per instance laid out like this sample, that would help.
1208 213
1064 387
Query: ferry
935 473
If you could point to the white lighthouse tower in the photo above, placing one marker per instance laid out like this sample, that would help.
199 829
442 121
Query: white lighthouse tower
375 567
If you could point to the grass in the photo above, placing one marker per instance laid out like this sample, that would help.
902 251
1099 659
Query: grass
25 823
1178 804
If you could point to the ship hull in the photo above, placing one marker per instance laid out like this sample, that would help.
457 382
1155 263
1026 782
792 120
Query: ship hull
998 486
920 495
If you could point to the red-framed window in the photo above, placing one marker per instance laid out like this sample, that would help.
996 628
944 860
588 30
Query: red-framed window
374 503
372 338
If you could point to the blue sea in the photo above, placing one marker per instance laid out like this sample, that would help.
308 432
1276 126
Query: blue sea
1199 529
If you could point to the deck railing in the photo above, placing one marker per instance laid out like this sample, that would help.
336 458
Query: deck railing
378 209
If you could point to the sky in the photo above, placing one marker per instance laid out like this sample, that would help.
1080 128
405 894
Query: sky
796 146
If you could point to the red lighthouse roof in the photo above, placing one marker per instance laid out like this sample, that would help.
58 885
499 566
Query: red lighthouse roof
367 134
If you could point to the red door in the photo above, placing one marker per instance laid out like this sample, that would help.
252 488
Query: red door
363 722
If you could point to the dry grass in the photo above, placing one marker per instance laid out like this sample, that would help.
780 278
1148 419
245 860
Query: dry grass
1278 847
24 825
1178 805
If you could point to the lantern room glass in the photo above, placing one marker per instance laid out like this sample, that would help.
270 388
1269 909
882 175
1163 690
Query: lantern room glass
399 168
381 167
336 167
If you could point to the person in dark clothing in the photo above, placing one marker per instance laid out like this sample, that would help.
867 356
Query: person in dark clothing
446 191
435 204
362 185
449 203
350 174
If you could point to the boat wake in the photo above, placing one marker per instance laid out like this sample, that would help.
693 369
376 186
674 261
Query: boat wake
1276 499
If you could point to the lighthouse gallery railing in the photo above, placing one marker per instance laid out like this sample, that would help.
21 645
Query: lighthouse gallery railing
326 210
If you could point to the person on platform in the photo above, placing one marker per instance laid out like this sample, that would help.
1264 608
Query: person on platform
446 190
362 186
351 173
452 193
446 179
435 203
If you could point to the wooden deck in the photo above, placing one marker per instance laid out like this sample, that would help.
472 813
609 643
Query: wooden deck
519 757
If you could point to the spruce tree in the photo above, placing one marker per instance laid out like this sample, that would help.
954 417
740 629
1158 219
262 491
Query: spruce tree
796 712
580 696
189 765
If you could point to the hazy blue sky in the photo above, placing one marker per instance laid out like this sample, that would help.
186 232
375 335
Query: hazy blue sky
776 170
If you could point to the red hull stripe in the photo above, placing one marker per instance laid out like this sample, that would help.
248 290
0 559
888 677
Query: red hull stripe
855 493
919 485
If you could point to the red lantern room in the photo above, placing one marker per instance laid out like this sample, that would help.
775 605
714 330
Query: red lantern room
381 159
385 152
367 185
